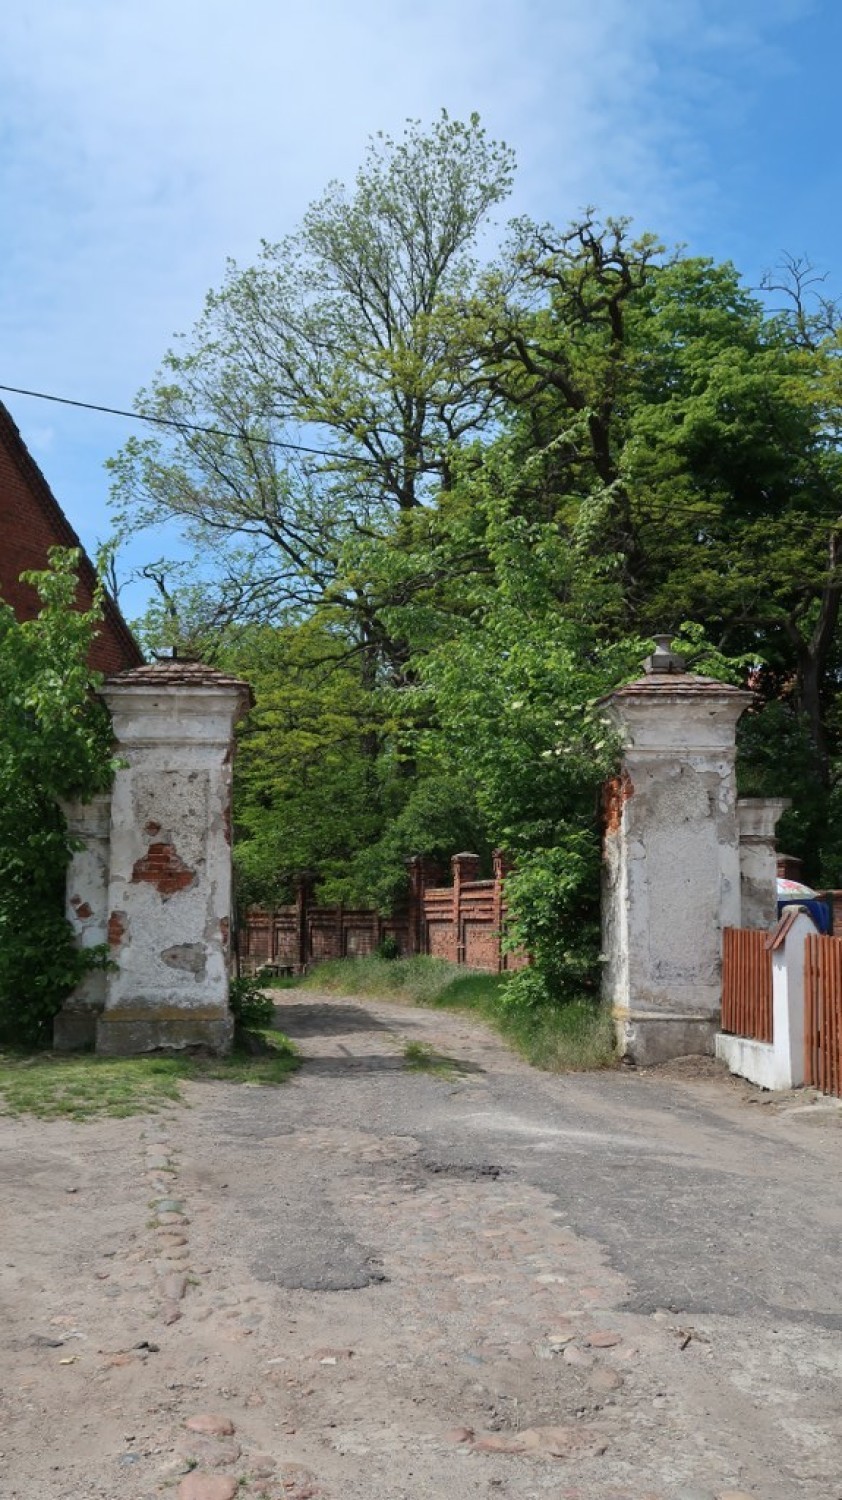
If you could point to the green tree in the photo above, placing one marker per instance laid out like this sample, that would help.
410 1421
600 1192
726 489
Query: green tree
346 336
531 468
55 744
685 439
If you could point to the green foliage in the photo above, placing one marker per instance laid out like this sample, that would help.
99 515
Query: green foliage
776 760
311 745
534 464
417 980
389 948
517 691
55 744
252 1009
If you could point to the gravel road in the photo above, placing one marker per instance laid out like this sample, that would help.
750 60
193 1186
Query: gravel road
382 1283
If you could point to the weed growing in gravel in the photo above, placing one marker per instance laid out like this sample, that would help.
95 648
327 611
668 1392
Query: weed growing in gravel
419 1058
80 1087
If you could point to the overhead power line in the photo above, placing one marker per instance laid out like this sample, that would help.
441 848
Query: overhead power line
139 416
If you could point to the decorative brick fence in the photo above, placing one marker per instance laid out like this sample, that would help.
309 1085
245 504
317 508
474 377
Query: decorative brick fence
462 922
465 922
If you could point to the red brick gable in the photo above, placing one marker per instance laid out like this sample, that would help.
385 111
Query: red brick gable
32 521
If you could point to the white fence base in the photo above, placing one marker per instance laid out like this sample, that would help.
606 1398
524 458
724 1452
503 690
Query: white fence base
755 1061
778 1064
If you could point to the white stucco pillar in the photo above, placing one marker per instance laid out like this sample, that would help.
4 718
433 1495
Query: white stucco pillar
86 908
757 818
671 858
169 888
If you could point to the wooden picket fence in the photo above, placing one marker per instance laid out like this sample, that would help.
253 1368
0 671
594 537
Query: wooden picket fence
747 984
823 1014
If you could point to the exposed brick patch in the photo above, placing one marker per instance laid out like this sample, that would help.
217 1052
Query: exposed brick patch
152 828
116 928
162 867
82 909
615 795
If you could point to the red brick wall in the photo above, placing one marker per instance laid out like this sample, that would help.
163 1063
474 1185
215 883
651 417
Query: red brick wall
31 521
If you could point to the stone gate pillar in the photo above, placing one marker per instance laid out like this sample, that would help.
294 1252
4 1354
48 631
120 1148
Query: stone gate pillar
671 869
169 888
757 818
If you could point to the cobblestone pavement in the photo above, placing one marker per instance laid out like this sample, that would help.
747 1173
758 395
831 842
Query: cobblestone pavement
386 1284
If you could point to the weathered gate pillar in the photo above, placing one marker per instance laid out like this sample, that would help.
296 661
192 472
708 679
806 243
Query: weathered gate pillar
88 824
671 869
169 889
757 818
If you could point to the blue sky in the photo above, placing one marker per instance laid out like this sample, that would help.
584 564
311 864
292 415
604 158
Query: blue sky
143 143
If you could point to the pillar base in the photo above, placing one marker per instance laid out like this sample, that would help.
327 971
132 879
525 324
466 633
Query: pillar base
648 1037
75 1030
129 1033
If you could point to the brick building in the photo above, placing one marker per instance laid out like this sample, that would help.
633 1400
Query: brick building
32 521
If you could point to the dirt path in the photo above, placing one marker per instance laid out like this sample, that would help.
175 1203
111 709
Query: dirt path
381 1284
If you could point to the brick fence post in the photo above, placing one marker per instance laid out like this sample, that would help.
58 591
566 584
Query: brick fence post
502 867
423 872
303 892
465 869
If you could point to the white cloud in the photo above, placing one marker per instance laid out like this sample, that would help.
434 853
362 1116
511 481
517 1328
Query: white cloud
143 142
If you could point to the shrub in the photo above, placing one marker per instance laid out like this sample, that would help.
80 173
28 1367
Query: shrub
250 1007
55 745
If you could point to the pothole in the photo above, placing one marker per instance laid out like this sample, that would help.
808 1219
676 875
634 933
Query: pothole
466 1171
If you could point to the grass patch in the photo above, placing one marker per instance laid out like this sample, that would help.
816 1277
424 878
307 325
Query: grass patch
79 1086
577 1037
267 1060
419 1058
416 981
277 981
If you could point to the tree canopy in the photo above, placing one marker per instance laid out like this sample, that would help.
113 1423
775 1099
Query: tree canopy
508 462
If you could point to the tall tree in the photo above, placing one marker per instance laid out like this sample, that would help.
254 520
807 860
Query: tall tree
346 337
684 439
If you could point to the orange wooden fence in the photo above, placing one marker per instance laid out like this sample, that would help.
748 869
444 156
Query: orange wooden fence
747 984
823 1014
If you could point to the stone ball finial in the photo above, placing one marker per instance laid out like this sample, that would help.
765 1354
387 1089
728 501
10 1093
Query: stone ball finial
663 658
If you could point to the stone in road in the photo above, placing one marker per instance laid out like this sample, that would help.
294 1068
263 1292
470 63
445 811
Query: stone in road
403 1285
